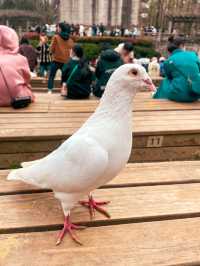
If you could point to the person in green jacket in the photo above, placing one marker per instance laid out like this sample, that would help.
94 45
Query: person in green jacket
182 70
76 77
108 62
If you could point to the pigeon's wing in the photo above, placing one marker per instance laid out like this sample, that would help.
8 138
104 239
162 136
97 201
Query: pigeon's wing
62 146
75 169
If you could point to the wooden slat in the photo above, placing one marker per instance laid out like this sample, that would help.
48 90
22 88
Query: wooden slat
165 243
33 108
77 122
153 105
143 124
165 154
10 160
145 174
142 102
127 205
14 147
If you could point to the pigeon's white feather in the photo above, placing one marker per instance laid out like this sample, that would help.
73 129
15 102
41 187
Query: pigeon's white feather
97 152
61 170
26 164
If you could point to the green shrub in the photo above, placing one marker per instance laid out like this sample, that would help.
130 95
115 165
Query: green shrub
145 41
34 43
145 52
92 49
141 41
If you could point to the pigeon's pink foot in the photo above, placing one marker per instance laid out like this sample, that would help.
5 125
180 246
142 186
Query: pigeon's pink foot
68 228
93 205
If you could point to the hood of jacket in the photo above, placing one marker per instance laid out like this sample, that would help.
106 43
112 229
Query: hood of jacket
110 55
9 41
64 35
65 31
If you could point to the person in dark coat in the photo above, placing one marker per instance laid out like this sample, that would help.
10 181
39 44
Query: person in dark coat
101 29
29 52
94 30
77 77
108 62
182 70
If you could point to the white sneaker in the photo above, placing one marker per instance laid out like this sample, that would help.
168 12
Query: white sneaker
49 92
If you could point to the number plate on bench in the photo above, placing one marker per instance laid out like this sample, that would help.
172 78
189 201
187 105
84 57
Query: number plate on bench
155 141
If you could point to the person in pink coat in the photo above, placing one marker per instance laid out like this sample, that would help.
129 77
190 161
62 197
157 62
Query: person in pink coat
14 69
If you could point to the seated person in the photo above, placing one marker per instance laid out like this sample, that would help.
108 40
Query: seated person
154 68
14 69
182 70
77 77
29 52
126 52
108 62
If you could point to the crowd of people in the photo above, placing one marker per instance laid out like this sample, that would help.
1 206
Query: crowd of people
99 30
80 78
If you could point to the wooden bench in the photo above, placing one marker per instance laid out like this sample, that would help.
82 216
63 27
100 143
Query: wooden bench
163 130
155 217
40 84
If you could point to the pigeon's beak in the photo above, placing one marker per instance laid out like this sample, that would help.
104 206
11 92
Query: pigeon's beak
148 82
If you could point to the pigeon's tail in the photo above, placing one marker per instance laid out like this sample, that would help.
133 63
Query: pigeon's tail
21 175
26 164
14 175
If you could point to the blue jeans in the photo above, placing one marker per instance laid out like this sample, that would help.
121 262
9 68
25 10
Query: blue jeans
53 70
44 67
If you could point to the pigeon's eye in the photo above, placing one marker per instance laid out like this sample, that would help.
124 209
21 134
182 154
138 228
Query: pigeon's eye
133 72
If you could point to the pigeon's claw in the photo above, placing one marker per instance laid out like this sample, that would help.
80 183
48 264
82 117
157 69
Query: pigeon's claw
93 205
68 228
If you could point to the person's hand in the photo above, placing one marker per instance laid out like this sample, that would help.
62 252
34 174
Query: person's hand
64 90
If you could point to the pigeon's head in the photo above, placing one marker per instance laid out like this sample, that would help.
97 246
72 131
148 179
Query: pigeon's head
131 77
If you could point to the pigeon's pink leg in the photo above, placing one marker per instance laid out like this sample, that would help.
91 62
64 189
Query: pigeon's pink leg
93 205
68 228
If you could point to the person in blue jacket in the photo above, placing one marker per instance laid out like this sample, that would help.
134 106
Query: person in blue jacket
182 71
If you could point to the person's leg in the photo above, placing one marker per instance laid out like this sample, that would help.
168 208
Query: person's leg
53 69
42 68
63 84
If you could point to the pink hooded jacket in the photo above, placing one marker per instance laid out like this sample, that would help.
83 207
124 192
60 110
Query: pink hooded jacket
14 67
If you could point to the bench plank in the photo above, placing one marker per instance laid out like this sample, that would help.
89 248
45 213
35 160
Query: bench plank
165 243
33 108
127 205
55 103
144 123
146 174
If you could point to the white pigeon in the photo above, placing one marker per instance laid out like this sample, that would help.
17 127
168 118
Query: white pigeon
96 153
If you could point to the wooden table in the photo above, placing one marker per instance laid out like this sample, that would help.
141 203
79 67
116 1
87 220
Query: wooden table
155 217
162 130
